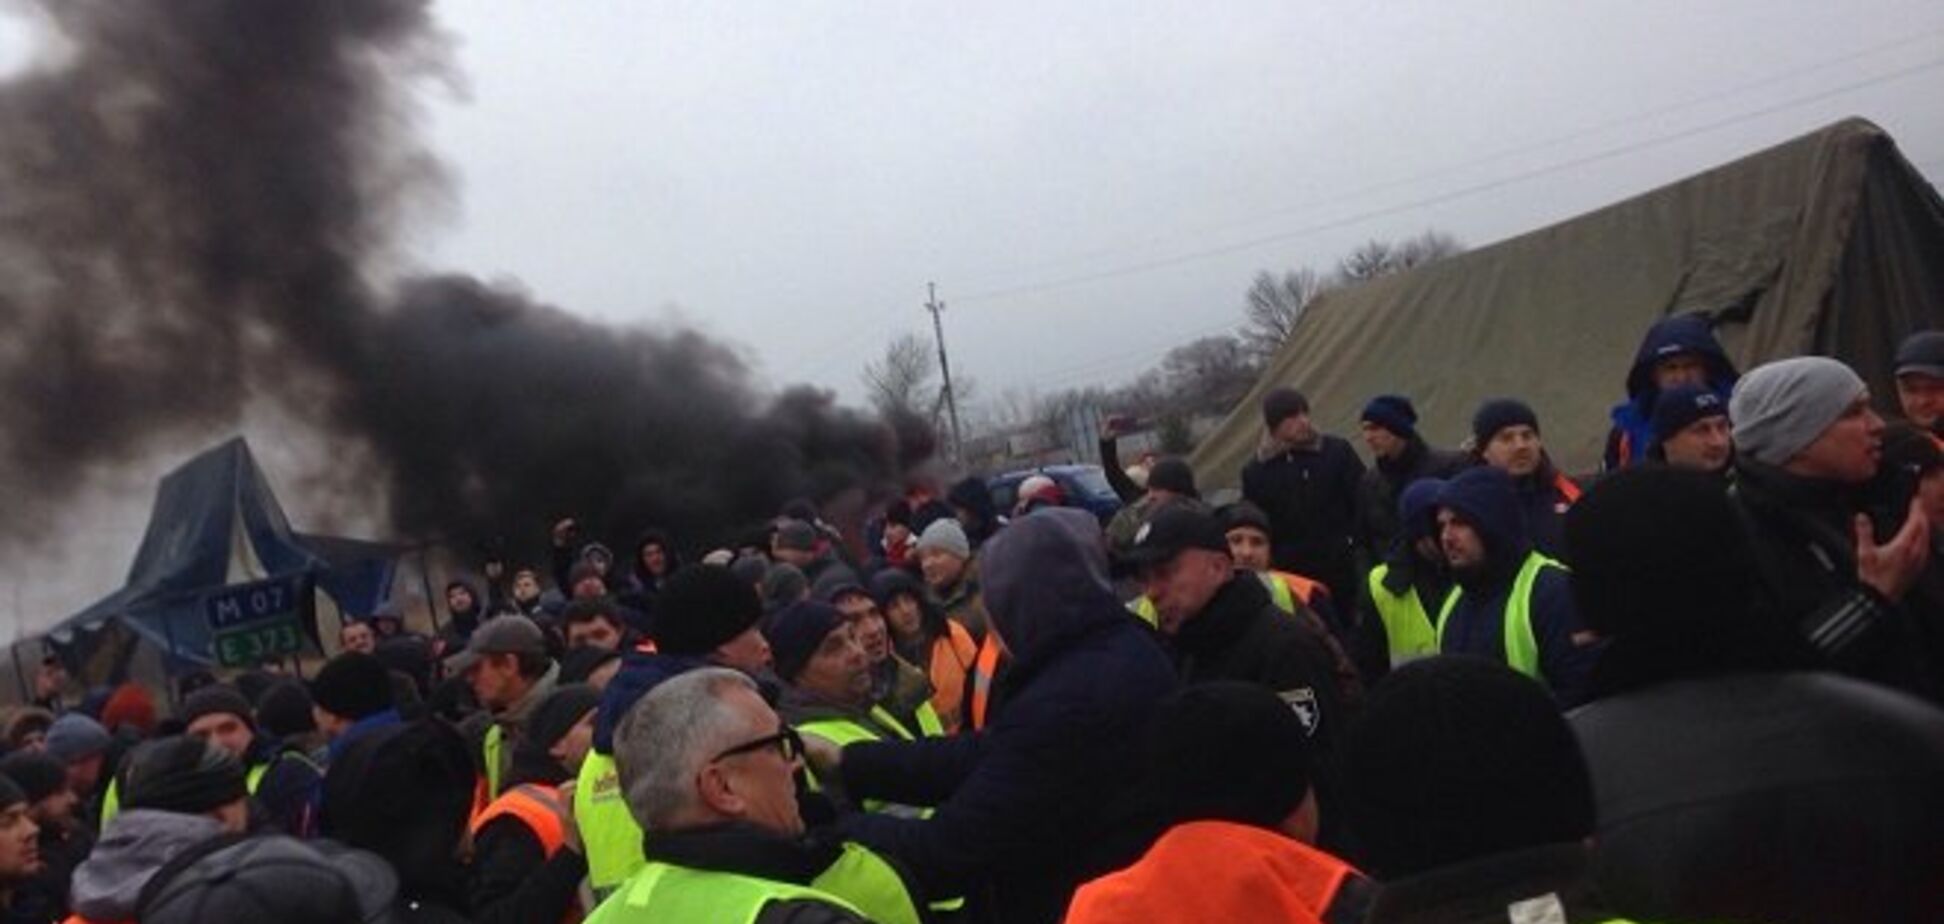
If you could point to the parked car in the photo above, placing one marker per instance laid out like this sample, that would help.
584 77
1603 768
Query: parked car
1085 487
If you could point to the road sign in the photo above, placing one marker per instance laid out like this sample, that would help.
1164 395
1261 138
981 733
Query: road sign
258 621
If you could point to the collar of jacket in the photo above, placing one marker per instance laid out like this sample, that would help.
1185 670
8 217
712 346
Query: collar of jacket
1406 463
1485 888
745 848
1226 617
1771 486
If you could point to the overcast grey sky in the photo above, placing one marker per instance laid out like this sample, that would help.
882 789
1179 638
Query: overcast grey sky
789 175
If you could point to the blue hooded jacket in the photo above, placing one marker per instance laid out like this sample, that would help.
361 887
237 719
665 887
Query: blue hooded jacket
1633 426
1485 498
640 672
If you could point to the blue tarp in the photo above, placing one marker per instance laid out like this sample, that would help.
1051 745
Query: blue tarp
186 554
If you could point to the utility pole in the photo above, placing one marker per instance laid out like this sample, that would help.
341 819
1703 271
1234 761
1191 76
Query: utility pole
933 305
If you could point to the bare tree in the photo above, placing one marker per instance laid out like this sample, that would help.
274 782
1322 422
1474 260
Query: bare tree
1274 304
901 380
1429 247
1208 374
1382 258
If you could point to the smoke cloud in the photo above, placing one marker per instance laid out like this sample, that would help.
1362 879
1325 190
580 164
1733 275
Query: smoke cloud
201 201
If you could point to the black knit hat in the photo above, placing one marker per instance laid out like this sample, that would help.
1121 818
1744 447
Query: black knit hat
796 632
1282 404
37 774
557 715
1678 408
703 607
581 662
1244 515
285 710
1228 751
353 685
10 793
181 774
1457 759
220 698
1175 475
1393 413
1499 413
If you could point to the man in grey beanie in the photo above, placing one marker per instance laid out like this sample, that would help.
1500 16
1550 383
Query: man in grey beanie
1806 439
952 575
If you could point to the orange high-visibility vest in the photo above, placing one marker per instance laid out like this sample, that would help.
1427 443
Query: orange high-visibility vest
1304 588
541 810
983 670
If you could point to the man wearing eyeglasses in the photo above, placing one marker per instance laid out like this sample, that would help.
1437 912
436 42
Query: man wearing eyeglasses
709 771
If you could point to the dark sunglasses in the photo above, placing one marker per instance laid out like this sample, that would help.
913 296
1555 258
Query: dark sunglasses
786 742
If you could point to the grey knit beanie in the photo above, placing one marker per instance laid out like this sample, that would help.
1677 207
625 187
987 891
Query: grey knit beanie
1781 407
946 536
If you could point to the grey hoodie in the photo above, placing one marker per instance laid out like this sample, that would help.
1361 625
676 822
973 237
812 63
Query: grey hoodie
136 844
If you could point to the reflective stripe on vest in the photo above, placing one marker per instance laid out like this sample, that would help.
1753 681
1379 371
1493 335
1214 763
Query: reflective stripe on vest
1407 625
538 807
1521 645
663 892
609 831
983 668
859 882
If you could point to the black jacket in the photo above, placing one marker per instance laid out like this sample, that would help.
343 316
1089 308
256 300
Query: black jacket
1779 797
1310 496
1377 524
1043 799
1243 636
1801 534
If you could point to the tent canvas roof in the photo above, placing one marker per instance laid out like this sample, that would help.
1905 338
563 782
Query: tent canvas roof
1831 243
215 523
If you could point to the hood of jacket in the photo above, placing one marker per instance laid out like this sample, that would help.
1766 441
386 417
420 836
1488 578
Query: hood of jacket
1488 499
404 793
136 844
642 578
1684 333
1045 581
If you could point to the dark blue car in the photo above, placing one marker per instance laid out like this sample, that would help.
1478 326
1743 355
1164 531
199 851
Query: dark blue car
1084 485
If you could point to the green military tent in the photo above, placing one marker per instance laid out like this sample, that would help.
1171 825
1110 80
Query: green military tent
1831 243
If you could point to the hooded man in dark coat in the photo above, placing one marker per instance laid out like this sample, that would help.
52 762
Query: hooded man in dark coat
1511 603
1681 350
1041 799
1732 784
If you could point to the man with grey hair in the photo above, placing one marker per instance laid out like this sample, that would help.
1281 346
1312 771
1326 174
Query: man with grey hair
708 769
1806 439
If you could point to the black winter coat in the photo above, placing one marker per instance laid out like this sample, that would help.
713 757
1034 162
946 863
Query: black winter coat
1802 537
1243 636
1043 799
1781 797
1310 496
1377 523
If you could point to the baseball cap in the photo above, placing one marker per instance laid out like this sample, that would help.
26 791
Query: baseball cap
1922 353
1174 529
499 635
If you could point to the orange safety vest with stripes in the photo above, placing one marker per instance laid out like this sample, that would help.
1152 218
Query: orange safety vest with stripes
539 808
984 668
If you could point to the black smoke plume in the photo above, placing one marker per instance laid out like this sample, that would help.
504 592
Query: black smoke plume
199 200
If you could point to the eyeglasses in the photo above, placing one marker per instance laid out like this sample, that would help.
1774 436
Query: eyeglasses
786 742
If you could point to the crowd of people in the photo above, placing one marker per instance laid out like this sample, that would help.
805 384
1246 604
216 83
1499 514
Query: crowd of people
1701 685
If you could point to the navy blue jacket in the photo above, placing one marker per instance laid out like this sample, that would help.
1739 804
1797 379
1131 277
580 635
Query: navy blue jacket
1043 799
1485 498
1633 418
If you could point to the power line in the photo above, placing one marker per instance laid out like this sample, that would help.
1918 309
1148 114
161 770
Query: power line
1530 147
1462 192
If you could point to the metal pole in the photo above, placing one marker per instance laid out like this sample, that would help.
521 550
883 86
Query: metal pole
936 307
425 580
